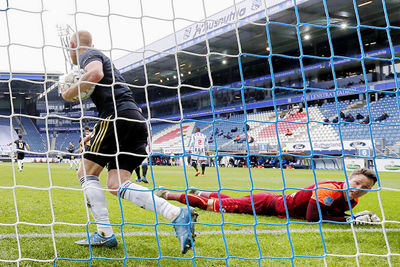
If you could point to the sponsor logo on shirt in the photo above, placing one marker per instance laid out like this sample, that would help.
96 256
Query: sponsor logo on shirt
328 201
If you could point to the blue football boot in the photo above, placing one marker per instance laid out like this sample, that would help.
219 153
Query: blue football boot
96 240
184 227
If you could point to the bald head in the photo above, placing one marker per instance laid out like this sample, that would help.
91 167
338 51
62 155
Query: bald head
85 38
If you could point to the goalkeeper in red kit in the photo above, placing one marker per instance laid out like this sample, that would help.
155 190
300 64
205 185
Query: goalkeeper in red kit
333 198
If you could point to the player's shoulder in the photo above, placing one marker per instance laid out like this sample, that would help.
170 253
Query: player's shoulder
331 184
90 55
328 192
90 52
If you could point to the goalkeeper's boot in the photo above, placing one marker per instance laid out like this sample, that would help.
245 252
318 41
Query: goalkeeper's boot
99 241
197 173
143 179
163 193
184 227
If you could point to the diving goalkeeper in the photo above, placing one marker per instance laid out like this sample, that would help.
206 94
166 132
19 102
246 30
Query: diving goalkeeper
332 196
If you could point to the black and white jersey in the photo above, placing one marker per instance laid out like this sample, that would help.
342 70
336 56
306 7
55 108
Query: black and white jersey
20 144
71 149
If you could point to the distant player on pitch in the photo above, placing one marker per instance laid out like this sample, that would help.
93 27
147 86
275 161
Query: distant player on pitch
128 136
332 197
71 158
20 145
145 162
198 145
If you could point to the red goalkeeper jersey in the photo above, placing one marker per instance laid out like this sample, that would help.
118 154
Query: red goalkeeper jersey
302 204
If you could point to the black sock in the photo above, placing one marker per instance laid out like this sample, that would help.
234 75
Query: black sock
144 170
203 168
194 164
137 170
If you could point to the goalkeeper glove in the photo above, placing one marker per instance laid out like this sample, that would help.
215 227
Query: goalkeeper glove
359 220
364 217
372 215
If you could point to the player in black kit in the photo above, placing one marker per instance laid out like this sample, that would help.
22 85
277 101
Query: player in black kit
20 145
119 141
70 157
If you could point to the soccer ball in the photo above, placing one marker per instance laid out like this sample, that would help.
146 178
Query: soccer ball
74 77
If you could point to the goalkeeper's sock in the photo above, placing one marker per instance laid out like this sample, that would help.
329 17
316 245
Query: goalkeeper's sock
173 196
194 200
142 197
215 195
97 203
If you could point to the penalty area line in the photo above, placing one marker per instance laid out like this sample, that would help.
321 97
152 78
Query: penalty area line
229 232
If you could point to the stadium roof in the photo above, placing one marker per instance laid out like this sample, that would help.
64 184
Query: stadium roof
222 37
27 86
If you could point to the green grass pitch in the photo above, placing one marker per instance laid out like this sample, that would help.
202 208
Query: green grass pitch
51 215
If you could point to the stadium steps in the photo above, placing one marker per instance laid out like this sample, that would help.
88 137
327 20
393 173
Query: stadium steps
358 104
19 125
53 143
171 136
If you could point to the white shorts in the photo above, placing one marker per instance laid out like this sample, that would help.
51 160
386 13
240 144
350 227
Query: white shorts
203 153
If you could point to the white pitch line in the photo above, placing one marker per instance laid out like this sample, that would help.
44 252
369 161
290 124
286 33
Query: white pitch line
229 232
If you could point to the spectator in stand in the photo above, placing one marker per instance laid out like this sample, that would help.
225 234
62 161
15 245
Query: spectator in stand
237 138
288 132
335 120
326 120
382 117
228 135
349 118
221 133
365 121
359 116
297 164
251 139
291 111
285 163
261 161
273 162
216 130
234 130
342 116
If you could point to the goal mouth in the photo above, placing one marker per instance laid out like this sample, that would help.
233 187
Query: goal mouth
263 84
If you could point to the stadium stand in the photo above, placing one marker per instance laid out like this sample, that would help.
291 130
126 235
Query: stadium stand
356 131
36 141
170 137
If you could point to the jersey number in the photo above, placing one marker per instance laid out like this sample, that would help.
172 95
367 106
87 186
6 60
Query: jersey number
20 145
